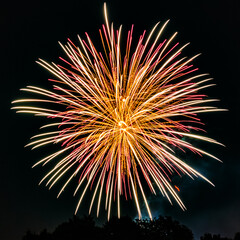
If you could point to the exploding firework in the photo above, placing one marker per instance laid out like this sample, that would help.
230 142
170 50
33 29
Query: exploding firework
120 116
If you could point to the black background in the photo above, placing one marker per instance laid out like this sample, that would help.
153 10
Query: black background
31 30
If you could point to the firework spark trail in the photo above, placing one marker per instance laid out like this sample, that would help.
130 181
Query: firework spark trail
121 116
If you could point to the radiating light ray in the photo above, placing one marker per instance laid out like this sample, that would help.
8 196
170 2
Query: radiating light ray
120 118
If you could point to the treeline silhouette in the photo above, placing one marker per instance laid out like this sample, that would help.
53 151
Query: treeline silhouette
161 228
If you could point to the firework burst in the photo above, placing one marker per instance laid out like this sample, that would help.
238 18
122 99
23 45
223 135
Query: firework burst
119 116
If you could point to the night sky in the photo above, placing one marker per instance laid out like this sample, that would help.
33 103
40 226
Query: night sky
31 30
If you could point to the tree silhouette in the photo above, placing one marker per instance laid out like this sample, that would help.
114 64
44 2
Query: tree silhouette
161 228
237 236
164 228
209 236
123 228
30 236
